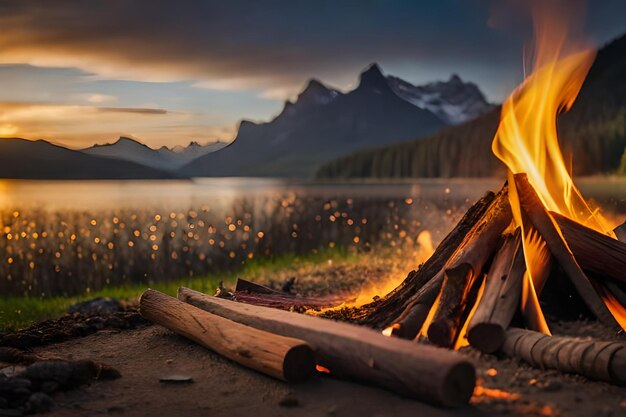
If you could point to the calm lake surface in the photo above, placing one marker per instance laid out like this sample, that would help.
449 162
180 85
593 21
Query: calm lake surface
609 192
65 237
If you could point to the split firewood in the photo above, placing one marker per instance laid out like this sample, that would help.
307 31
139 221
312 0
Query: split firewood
252 293
386 311
548 228
354 352
501 296
464 268
604 361
254 288
278 356
594 251
452 301
409 323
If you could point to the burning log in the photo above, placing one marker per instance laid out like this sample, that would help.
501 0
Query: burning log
450 305
605 361
394 307
547 227
594 251
461 270
353 352
281 357
501 296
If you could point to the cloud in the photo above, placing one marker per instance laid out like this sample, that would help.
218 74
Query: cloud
83 125
100 98
131 110
241 45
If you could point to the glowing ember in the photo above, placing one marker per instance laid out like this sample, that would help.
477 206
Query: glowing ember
389 330
492 393
320 368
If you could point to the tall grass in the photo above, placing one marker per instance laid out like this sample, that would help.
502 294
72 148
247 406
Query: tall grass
49 253
21 311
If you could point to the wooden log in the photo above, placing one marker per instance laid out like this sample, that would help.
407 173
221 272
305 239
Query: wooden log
389 309
548 228
595 252
289 302
412 319
475 250
278 356
465 267
450 305
358 353
598 360
501 296
252 293
254 288
616 290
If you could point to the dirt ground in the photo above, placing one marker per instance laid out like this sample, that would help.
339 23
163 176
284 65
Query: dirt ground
222 388
144 354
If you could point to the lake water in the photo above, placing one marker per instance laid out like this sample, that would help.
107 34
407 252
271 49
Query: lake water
610 192
62 237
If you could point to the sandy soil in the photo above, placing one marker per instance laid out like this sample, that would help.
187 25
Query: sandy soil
222 388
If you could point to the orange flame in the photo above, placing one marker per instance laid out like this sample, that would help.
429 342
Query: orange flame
527 140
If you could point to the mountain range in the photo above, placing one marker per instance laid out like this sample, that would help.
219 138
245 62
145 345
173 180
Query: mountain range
26 159
322 123
592 134
164 158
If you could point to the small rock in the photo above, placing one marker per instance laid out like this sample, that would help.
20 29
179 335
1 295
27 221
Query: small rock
289 400
68 374
96 323
81 329
115 322
97 306
168 361
10 371
39 403
49 387
176 379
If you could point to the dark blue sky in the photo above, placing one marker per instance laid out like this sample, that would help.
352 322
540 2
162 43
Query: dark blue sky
197 67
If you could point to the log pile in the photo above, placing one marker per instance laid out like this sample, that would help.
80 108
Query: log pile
476 287
480 287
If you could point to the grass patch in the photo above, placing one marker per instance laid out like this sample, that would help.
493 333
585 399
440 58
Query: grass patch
21 312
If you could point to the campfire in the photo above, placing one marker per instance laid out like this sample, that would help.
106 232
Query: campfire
482 285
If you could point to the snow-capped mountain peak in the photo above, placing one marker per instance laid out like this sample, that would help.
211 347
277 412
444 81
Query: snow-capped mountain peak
454 101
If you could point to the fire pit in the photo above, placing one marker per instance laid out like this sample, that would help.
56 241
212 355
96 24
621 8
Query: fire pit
482 285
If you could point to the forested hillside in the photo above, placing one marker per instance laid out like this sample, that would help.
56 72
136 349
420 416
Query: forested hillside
593 136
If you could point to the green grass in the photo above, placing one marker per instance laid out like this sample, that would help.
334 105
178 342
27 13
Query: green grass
21 312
